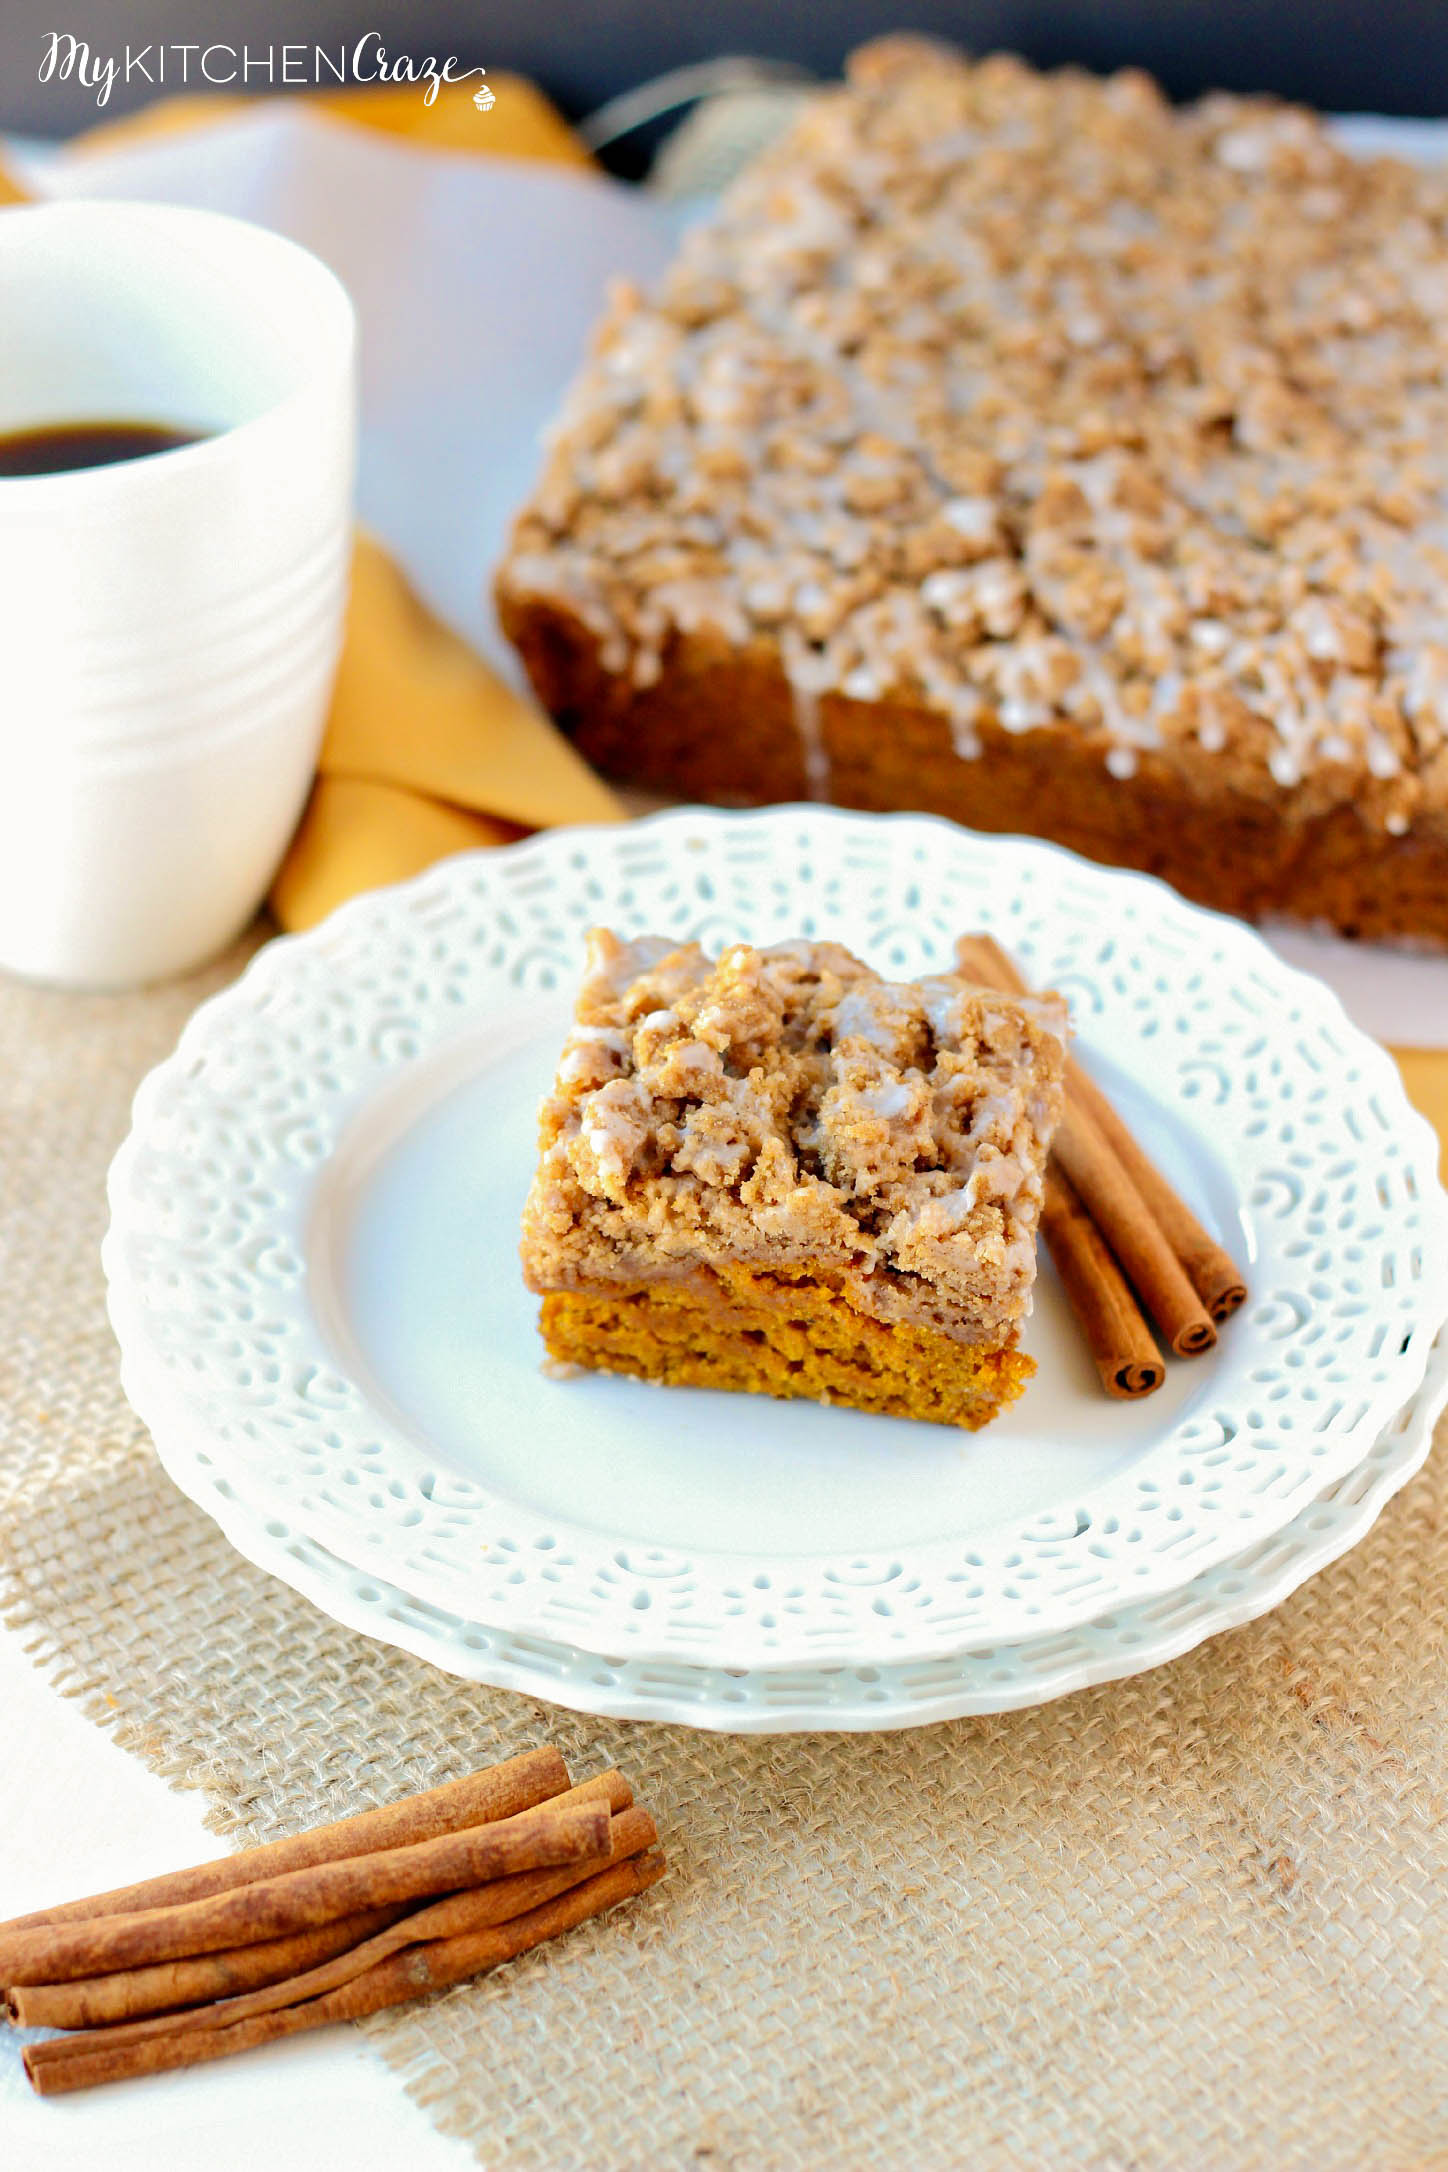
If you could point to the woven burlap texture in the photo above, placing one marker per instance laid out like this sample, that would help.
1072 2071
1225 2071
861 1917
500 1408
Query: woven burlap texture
1194 1919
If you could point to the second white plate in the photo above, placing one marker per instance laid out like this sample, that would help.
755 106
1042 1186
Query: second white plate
846 1699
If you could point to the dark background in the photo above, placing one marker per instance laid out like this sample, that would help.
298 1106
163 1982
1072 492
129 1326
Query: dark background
1342 54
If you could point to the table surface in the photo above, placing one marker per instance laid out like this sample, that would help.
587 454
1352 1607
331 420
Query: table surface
83 1815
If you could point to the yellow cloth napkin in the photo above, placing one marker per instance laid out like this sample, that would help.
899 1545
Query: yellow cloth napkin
426 752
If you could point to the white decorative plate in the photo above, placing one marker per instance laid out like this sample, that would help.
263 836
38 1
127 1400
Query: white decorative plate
312 1263
852 1699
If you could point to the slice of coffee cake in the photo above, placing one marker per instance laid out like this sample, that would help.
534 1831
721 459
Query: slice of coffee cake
779 1173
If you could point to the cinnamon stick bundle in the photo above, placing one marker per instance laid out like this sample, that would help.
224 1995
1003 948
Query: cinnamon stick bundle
1125 1221
498 1791
214 1981
1212 1272
358 1931
1113 1223
461 1914
486 1908
549 1834
63 2064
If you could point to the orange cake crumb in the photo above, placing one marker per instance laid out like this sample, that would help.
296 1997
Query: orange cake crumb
735 1334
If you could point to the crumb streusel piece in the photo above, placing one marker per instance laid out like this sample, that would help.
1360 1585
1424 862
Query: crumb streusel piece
777 1172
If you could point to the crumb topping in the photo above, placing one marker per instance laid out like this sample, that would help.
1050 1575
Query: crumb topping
1033 398
786 1107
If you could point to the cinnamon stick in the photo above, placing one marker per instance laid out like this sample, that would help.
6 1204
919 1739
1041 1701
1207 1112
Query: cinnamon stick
401 1976
544 1836
1181 1274
1127 1359
1125 1221
499 1791
273 1965
1212 1272
633 1831
167 1985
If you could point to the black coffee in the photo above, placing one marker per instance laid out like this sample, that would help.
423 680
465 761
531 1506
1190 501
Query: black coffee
56 446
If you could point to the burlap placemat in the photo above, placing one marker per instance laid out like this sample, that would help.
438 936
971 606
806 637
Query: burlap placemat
1194 1919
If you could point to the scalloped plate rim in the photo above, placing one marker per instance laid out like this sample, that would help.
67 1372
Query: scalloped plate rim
270 968
244 1530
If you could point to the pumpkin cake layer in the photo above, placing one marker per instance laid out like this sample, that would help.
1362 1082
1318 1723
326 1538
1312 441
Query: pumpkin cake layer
737 1335
778 1172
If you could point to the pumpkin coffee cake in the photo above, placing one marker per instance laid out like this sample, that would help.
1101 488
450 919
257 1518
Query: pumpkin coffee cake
1021 448
779 1173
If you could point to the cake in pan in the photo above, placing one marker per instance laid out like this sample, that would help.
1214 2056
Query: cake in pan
1020 448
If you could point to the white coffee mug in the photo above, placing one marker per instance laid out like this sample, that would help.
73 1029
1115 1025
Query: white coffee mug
169 625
